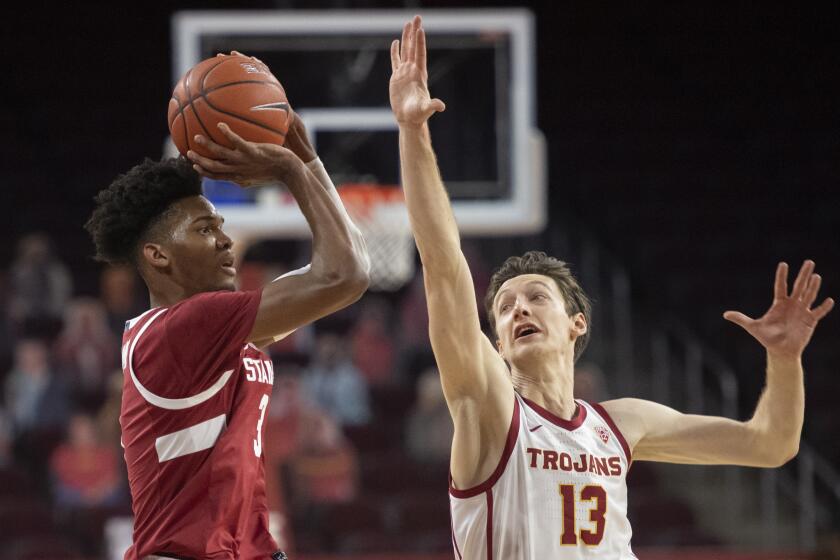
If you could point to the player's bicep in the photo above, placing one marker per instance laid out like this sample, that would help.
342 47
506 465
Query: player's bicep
291 302
466 358
659 433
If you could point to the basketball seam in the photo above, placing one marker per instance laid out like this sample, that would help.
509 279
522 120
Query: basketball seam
180 113
241 118
192 106
203 94
223 86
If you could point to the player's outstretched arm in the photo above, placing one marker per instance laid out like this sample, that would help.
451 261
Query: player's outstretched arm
338 273
473 375
771 437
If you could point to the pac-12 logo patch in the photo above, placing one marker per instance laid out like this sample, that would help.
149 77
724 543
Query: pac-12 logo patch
603 433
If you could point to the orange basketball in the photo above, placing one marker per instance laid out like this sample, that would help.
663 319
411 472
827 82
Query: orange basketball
238 90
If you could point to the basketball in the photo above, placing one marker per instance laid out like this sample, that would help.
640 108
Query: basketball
235 89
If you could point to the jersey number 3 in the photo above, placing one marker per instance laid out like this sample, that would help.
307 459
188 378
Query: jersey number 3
596 514
258 441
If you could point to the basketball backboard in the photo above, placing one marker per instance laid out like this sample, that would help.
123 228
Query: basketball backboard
335 66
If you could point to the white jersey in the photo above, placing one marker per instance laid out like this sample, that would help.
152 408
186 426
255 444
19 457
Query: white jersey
559 491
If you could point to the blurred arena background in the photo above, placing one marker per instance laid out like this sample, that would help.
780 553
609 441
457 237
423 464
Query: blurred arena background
688 149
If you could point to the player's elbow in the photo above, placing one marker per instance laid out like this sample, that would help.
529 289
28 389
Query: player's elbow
357 281
788 454
348 283
779 455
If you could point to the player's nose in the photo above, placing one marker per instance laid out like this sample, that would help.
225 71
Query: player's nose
224 242
520 308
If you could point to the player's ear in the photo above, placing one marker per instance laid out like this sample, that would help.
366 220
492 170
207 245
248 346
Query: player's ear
499 348
579 326
155 256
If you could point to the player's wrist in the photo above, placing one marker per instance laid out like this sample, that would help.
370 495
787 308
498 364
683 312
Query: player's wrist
777 359
289 170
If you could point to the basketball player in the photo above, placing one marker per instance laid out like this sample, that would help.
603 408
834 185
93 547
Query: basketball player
197 385
536 474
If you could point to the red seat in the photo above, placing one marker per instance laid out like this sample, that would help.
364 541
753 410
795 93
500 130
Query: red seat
14 482
24 518
44 547
424 512
359 515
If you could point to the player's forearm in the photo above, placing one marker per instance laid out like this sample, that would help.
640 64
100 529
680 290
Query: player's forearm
337 254
317 168
780 412
429 209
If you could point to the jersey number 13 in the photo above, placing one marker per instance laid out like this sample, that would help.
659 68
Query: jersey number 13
589 493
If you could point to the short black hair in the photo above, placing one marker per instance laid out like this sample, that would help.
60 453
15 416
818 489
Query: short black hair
135 202
537 262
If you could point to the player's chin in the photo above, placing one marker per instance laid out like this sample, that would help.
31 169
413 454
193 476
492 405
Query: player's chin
225 283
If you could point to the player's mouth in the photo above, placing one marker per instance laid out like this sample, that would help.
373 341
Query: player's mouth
227 266
525 331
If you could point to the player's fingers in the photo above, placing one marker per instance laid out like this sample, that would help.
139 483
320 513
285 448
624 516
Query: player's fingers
812 290
212 165
410 44
823 309
395 54
780 286
802 279
420 40
738 318
436 105
211 175
415 26
404 41
238 142
218 150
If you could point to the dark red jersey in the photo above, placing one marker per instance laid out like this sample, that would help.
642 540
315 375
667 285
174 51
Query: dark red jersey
194 400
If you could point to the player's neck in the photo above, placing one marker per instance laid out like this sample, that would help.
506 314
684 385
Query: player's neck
550 384
167 296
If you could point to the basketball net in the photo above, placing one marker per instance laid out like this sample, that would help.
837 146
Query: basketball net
380 214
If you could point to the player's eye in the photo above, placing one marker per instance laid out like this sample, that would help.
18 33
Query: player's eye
539 296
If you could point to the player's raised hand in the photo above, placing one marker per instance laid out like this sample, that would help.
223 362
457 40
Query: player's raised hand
247 163
409 91
786 328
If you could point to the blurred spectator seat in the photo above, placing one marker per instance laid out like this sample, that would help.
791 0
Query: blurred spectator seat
85 472
24 517
120 296
429 427
334 384
86 350
44 547
373 343
36 399
39 284
323 468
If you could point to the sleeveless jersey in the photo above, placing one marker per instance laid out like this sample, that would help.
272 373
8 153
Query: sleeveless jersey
559 491
194 399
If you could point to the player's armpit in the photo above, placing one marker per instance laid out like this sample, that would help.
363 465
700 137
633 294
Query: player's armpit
656 432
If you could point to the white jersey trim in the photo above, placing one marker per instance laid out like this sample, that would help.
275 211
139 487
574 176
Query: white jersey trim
510 443
132 322
190 440
602 413
163 402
